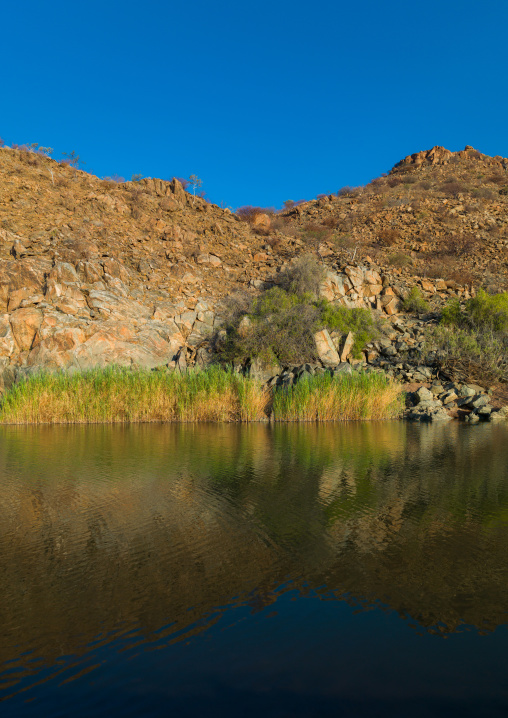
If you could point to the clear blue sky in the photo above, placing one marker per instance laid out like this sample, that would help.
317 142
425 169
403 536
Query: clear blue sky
265 101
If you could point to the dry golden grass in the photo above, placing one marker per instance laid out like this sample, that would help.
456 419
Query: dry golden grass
348 397
123 395
215 395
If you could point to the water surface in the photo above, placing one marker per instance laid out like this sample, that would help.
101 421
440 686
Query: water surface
350 570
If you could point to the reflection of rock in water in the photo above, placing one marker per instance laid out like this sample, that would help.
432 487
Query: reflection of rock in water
110 529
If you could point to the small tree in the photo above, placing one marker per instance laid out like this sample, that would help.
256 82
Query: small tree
195 183
71 158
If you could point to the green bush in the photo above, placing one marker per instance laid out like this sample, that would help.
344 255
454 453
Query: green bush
483 312
281 325
473 338
469 353
415 302
342 319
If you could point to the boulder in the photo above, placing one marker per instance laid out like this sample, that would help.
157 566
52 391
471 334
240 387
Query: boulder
423 394
263 371
347 346
325 348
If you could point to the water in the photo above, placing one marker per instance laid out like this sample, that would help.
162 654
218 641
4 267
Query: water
356 570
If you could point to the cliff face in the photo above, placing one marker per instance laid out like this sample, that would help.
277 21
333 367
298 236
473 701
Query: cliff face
94 272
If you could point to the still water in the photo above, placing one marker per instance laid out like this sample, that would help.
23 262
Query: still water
350 570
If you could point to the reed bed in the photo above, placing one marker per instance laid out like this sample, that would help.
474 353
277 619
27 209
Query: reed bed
215 395
345 398
126 395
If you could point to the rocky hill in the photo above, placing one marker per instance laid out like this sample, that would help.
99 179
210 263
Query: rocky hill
437 214
94 272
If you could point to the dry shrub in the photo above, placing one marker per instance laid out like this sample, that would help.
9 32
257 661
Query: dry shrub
330 222
349 191
248 212
448 268
496 179
275 243
116 179
453 188
314 234
283 226
399 259
303 276
377 185
426 185
460 245
261 231
184 182
440 268
484 193
388 237
471 207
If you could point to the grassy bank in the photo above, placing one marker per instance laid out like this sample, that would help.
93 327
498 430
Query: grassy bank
323 398
124 395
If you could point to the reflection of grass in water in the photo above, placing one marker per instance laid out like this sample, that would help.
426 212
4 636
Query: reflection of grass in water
378 510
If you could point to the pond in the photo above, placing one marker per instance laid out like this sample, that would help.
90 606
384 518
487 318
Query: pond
290 570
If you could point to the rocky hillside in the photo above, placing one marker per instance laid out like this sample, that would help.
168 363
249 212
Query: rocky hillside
95 272
437 214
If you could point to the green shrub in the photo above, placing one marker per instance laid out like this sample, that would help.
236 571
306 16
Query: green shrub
281 325
281 328
483 312
473 338
357 320
470 353
452 313
415 302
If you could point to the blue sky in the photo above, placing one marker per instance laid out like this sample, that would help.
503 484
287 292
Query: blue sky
264 101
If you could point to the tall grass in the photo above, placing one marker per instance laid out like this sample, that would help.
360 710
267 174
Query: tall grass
126 395
327 398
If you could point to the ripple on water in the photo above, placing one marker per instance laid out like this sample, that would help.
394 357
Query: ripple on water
121 540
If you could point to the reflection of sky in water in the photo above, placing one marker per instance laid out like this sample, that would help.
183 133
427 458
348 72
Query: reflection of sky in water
126 550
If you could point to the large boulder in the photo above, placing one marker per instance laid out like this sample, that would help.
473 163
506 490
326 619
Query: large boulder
326 349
